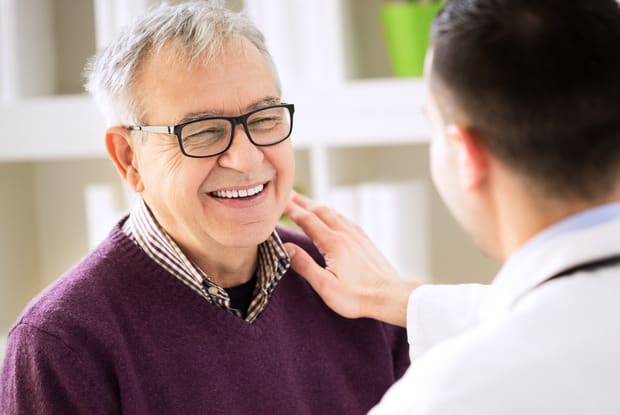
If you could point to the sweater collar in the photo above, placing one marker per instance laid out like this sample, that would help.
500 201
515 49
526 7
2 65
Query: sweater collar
273 261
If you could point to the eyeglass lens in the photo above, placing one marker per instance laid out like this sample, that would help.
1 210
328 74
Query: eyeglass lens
212 136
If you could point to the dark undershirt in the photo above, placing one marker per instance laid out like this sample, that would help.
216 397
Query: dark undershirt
241 296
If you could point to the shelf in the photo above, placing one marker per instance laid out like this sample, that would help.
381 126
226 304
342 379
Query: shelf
43 46
357 113
360 113
51 128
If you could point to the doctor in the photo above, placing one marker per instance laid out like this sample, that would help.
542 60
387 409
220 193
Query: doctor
523 98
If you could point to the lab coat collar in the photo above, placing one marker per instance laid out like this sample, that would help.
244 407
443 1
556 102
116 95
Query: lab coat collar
548 254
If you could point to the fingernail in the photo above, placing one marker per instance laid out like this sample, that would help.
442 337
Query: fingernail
290 251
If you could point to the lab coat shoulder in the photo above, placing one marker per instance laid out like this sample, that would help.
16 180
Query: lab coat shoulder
446 380
466 375
555 352
439 312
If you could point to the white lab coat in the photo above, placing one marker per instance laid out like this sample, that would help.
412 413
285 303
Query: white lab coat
513 347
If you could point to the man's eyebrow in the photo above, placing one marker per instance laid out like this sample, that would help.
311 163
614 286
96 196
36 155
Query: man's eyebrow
264 102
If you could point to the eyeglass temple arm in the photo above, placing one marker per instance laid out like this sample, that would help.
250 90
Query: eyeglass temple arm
152 129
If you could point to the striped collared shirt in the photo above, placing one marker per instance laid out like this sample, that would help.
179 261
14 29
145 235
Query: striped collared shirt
273 262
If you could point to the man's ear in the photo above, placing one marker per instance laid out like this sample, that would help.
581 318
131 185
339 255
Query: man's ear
120 148
472 156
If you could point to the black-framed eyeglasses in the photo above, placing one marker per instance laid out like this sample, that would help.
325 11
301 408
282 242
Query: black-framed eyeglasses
211 136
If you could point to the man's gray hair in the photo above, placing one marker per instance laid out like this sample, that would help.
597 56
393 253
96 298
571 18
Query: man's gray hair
197 30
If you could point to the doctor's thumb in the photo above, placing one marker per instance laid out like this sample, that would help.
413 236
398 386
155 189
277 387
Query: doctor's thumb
303 264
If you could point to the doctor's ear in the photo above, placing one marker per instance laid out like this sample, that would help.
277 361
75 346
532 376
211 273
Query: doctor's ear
472 156
121 149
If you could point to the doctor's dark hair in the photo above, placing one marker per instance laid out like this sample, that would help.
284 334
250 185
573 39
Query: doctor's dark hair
538 81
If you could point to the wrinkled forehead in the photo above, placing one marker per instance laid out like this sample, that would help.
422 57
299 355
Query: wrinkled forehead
178 82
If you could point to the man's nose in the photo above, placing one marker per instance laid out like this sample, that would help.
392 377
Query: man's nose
242 155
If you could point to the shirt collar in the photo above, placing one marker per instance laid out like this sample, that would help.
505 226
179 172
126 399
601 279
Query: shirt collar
580 238
273 261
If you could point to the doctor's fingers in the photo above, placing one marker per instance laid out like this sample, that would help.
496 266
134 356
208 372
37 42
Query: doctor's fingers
332 218
338 296
336 245
311 224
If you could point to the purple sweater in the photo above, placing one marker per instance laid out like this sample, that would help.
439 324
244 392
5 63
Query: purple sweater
119 334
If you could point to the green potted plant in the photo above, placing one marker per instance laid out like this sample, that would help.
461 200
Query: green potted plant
406 24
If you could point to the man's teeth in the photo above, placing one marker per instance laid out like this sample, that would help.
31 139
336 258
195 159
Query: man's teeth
232 194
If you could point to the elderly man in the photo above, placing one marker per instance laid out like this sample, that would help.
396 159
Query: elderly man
524 98
189 305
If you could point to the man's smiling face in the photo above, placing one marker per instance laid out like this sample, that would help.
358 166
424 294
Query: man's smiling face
233 200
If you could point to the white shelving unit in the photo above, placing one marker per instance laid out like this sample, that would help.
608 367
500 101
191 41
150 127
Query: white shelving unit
347 134
356 113
51 128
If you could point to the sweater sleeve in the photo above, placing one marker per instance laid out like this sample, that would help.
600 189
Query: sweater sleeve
400 350
43 375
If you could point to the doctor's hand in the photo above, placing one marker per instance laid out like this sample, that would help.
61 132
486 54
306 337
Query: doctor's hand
358 280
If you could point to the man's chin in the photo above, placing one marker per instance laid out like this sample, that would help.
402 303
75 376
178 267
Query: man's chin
247 235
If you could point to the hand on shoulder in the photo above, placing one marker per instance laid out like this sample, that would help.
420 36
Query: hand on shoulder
358 281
